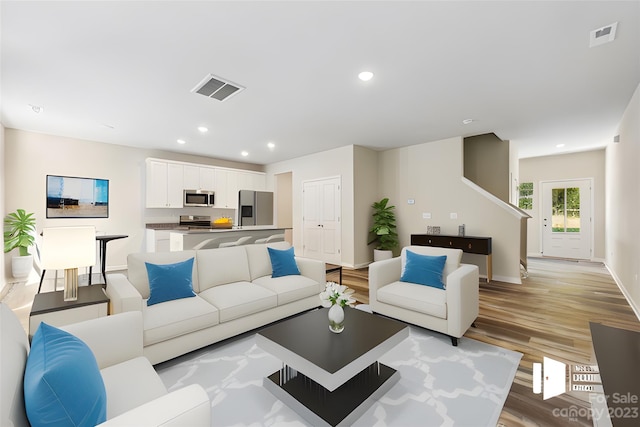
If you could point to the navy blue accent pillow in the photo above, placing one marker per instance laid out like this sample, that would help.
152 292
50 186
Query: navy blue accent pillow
283 262
424 269
170 281
62 382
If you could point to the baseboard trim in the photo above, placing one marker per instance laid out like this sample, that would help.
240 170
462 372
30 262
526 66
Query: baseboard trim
624 291
5 290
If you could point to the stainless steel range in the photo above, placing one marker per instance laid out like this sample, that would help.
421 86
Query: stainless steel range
195 221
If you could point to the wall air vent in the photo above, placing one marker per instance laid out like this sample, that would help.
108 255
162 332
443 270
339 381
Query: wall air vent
217 88
603 35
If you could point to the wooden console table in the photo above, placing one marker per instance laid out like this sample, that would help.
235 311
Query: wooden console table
468 244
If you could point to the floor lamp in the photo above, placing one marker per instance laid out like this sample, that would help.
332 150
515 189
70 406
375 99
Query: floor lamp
68 248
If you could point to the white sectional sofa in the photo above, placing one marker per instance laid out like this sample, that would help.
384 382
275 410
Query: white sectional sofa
450 311
235 293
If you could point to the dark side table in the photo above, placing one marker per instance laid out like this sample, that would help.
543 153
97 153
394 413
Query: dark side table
50 307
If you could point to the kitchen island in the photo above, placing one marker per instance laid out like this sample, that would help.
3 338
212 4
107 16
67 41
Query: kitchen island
190 238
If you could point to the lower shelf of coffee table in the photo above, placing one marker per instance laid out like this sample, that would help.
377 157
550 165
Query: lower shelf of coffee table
340 407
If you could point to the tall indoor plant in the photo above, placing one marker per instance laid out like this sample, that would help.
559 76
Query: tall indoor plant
19 232
383 231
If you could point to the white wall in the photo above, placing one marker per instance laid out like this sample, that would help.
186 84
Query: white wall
331 163
367 191
623 203
431 175
29 157
588 164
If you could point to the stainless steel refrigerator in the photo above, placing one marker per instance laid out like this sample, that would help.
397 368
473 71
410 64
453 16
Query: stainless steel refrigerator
255 207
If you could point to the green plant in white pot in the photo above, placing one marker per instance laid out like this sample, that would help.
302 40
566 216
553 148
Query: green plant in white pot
383 231
19 232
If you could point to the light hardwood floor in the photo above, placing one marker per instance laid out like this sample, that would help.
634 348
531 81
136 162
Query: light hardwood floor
548 315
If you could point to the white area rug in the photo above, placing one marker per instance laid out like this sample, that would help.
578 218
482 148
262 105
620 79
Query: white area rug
440 385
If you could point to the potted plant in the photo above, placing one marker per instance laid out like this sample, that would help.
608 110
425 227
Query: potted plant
19 231
383 230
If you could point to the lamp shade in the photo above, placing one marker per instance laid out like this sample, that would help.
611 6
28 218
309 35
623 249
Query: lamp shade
68 247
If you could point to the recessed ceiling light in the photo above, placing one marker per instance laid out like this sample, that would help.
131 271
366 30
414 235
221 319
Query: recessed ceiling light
365 76
181 141
467 121
559 145
203 129
271 145
245 153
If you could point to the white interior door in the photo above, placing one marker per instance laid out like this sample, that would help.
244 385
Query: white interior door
566 219
321 220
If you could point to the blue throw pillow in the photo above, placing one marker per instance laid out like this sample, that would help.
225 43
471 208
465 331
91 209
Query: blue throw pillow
170 281
62 381
424 269
283 262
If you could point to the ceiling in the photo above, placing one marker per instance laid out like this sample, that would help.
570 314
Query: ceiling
122 73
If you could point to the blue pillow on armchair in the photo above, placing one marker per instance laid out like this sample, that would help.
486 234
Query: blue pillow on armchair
424 269
283 262
170 281
62 382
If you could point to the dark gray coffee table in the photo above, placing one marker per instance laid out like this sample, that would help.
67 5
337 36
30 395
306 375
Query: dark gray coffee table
331 379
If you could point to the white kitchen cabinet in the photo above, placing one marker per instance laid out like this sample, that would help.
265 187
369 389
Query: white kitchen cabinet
207 178
175 185
167 180
165 184
157 240
226 188
191 177
255 181
198 178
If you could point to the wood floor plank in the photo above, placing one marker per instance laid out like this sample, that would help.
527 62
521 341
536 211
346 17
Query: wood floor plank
548 315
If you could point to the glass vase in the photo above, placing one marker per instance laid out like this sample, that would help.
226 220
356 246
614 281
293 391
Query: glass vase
336 319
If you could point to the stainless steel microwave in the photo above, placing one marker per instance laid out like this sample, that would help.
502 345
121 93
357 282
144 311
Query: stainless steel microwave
198 198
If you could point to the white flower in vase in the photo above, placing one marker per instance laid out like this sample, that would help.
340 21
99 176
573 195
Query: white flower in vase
337 294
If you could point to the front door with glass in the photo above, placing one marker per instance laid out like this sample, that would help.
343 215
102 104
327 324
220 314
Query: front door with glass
566 219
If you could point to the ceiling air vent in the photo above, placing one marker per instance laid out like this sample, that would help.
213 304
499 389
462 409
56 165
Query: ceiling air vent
216 88
603 35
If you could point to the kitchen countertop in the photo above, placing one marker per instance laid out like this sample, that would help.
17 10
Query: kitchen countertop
162 226
186 230
174 227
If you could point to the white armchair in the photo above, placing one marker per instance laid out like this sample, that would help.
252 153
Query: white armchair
135 393
450 311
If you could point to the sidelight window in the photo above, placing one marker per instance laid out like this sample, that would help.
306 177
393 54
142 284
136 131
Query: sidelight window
525 195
